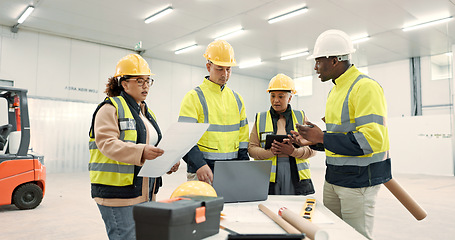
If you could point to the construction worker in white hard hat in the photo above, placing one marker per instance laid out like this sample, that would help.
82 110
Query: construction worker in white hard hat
123 135
356 140
215 103
290 173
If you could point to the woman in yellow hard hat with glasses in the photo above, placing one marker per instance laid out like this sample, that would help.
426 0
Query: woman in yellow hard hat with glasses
290 173
123 135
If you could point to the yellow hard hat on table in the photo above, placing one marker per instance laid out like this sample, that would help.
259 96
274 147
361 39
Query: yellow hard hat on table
198 188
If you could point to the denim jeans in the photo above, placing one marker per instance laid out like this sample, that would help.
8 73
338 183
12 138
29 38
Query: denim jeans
119 222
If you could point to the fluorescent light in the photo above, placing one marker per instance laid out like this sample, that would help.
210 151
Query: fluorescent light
359 40
230 34
288 15
443 20
25 15
295 55
250 64
185 49
159 14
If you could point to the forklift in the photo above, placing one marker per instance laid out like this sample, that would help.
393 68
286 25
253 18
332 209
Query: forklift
22 174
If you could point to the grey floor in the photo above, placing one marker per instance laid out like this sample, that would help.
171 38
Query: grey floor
68 212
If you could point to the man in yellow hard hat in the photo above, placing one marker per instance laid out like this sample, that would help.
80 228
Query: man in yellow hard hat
290 173
215 103
356 142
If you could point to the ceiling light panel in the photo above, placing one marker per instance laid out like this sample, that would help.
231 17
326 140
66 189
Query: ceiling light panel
294 55
186 49
230 34
159 14
427 24
250 63
361 39
288 15
25 14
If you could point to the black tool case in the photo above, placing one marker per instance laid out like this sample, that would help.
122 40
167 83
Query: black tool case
186 217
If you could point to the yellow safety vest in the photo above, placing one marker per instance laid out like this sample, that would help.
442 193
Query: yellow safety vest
264 127
224 110
357 104
104 170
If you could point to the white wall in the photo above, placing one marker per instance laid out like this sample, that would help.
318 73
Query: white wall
434 92
421 144
66 80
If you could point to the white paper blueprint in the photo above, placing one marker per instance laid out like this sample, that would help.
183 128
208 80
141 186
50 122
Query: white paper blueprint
176 142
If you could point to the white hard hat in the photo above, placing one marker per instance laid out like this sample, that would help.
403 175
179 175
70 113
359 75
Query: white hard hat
332 43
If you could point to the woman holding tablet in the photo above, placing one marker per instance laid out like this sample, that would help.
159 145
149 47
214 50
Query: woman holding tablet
290 174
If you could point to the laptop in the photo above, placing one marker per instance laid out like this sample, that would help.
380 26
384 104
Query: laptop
242 181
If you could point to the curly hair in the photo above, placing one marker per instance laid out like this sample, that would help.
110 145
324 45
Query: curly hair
113 86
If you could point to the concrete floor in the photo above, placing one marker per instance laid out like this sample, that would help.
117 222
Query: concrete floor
68 212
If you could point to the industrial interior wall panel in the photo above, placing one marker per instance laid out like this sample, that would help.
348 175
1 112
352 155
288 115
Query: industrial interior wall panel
19 54
436 94
161 93
109 56
421 145
59 132
394 78
53 62
84 71
180 85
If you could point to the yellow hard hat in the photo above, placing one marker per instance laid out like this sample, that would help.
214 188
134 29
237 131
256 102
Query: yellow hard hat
220 53
194 188
133 65
281 82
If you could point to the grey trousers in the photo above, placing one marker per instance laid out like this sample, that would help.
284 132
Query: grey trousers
283 182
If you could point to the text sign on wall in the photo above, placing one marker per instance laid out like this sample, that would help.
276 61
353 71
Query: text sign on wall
80 89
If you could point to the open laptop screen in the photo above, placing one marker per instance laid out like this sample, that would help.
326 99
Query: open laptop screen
242 181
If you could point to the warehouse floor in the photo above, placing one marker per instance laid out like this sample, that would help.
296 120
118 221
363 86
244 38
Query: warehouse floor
68 212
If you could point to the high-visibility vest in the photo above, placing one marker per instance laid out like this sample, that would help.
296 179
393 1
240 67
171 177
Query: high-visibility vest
369 115
224 110
264 127
104 170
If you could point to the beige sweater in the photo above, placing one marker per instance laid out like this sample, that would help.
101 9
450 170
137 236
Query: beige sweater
257 152
107 139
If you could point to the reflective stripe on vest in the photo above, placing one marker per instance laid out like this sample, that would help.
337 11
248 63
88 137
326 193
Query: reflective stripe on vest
104 170
208 145
265 127
347 126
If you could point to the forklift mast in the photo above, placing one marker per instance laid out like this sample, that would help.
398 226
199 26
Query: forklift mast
18 115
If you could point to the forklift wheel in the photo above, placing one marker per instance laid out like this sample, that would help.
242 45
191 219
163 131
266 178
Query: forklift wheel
27 196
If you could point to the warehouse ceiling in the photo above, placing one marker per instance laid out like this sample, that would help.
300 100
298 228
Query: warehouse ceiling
121 24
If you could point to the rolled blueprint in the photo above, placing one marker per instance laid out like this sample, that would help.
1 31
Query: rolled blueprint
302 224
279 220
408 202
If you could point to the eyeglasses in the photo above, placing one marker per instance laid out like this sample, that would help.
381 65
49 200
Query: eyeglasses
142 81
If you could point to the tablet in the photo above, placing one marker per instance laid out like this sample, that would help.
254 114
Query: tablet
269 140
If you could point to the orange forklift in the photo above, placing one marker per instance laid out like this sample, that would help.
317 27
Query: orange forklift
22 174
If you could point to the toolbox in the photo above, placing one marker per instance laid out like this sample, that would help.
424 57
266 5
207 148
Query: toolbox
186 217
